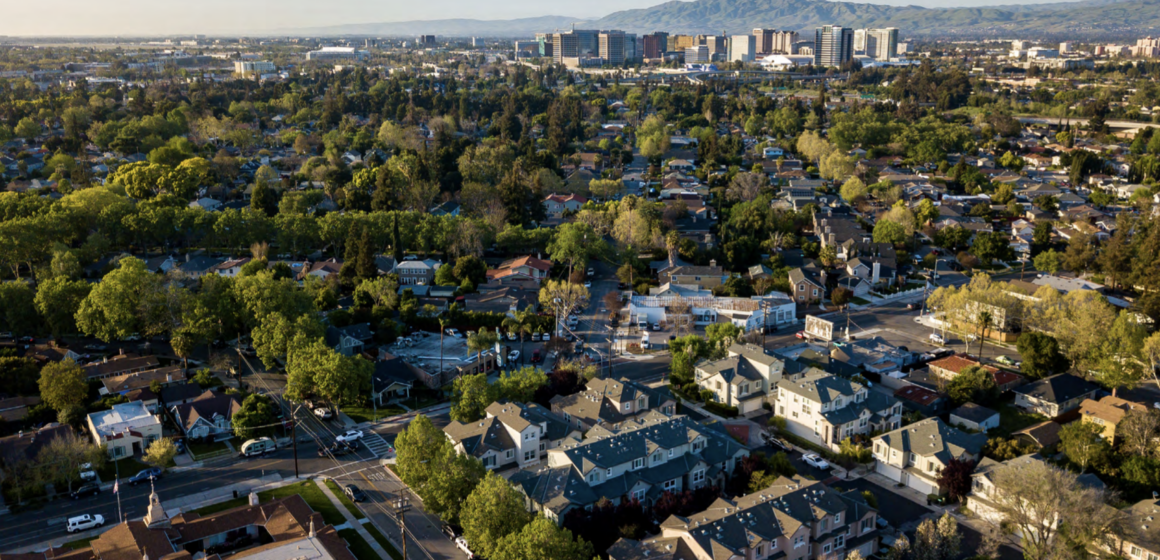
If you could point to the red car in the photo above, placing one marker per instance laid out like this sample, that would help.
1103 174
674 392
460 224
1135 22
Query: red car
800 334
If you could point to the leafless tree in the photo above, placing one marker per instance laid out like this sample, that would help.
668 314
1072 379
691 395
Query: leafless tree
1139 431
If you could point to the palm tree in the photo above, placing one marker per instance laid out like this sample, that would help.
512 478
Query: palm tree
525 318
985 320
480 341
443 323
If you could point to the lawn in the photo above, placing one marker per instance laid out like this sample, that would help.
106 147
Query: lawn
124 469
358 545
368 414
859 301
202 448
80 543
354 510
383 542
1011 419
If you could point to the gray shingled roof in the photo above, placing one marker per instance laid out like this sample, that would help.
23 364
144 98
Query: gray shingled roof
932 437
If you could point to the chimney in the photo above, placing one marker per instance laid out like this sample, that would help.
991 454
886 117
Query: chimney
253 498
712 262
187 257
877 272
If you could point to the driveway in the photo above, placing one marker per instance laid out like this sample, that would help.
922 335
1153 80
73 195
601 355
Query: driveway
900 512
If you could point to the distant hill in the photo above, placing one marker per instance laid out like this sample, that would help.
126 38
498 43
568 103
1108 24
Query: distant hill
740 16
524 27
1083 20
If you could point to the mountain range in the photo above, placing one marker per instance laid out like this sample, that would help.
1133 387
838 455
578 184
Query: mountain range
1084 20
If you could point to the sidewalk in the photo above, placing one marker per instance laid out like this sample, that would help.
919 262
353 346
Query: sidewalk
351 521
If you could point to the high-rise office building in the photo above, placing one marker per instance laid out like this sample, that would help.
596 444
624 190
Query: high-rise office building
833 45
881 44
742 48
425 41
718 46
631 48
697 55
655 45
764 39
570 46
611 47
860 41
545 41
681 42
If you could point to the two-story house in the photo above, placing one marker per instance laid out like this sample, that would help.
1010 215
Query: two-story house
827 409
512 434
807 287
525 268
704 277
1145 543
209 416
914 455
1054 395
985 496
743 378
557 204
793 519
638 459
611 401
416 272
126 429
1107 414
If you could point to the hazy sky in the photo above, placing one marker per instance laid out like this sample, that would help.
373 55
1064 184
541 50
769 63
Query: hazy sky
159 17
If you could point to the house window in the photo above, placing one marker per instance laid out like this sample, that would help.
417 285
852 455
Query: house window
670 484
489 461
839 541
837 519
1136 552
637 463
510 453
772 546
627 407
826 548
801 287
638 494
825 524
672 452
866 524
657 457
608 473
529 455
543 446
699 476
529 436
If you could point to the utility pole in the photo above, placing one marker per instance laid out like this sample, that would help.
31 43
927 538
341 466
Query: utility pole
401 505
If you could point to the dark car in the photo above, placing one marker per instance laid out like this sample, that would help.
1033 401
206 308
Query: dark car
450 531
151 473
336 450
354 493
85 490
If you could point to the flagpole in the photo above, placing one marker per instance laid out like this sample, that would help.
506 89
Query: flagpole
116 487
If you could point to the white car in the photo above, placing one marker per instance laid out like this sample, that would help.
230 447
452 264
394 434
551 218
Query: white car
588 285
936 338
323 413
591 272
813 460
656 326
461 544
453 332
511 336
353 435
87 473
514 356
84 522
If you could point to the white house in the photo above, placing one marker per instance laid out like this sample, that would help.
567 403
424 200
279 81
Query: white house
127 429
914 455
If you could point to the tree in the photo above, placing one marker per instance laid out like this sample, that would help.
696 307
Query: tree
1041 355
417 449
63 385
18 376
841 296
1080 253
18 308
160 453
542 538
58 300
263 199
453 478
886 231
853 190
315 369
1048 261
1137 433
483 339
493 511
257 411
1083 444
117 306
471 395
27 128
989 247
573 243
955 478
973 384
521 385
562 297
60 460
936 540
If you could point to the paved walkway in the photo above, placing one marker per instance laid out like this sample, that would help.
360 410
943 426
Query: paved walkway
350 519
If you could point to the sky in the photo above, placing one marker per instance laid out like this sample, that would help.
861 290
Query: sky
170 17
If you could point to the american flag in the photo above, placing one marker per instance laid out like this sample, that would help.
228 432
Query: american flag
116 484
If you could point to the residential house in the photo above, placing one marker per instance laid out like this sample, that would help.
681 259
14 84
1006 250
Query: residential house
196 267
949 367
556 204
127 429
506 300
984 493
230 268
349 340
742 379
807 288
27 445
682 165
120 364
207 204
320 269
392 380
921 399
611 401
208 416
15 409
449 208
705 277
827 409
974 417
1107 413
512 434
1054 395
794 518
638 459
1144 543
873 354
416 272
527 269
914 455
51 352
179 393
1043 434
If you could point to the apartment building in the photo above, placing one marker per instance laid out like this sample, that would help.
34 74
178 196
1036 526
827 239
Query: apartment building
611 401
793 519
914 455
511 434
743 378
827 409
833 45
638 459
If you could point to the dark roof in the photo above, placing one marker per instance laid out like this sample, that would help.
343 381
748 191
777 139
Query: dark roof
974 413
207 406
1057 388
28 445
393 370
180 392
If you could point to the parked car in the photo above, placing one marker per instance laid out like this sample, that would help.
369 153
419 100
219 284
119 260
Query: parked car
84 522
937 339
353 435
588 285
514 356
1007 361
591 272
800 334
449 531
5 335
132 338
85 490
323 413
774 442
537 357
814 460
656 326
354 493
87 472
453 332
27 339
336 450
461 544
149 474
258 446
512 336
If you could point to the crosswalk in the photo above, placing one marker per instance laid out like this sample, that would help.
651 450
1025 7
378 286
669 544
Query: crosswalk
376 444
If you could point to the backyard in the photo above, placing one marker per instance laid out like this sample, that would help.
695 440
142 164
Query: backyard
1012 419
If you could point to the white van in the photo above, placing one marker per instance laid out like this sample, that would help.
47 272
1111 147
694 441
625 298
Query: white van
258 446
644 342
